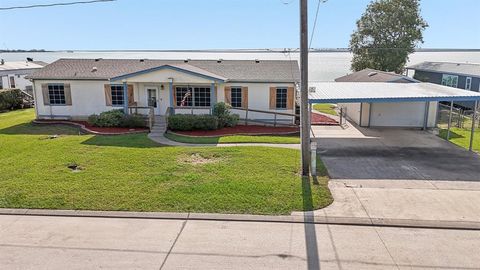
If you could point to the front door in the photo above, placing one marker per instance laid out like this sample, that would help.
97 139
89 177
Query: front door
152 99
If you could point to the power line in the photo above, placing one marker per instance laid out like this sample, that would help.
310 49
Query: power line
55 4
315 22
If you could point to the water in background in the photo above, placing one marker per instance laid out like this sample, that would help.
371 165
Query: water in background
324 66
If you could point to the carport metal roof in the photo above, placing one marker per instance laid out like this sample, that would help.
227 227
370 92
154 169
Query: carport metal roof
356 92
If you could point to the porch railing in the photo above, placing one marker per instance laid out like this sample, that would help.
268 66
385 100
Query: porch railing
275 116
148 112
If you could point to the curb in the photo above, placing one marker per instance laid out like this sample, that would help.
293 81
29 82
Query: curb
306 218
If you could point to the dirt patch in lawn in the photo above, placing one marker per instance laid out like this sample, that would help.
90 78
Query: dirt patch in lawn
199 158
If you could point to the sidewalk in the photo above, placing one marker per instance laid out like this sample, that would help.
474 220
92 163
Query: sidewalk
405 202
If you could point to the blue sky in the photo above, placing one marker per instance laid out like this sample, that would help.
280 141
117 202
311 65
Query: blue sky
214 24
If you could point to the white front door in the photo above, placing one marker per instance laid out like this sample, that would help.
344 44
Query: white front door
152 98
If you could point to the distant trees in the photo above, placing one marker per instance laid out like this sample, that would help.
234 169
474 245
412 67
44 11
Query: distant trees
386 34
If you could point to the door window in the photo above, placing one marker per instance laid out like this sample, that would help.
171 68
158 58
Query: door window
152 97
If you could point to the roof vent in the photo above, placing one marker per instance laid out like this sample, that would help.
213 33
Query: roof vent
219 60
142 60
257 61
98 59
29 59
94 69
186 60
2 62
371 74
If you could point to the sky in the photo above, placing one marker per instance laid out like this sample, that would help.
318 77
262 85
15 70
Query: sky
214 24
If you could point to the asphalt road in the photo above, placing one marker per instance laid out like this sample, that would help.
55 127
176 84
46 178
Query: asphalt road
38 242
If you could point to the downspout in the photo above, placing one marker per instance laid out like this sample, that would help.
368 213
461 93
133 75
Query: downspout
213 97
170 90
35 98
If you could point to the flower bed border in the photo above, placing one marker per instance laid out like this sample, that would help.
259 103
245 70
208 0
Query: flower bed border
86 129
235 134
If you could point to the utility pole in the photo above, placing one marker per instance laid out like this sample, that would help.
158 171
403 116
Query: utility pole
304 125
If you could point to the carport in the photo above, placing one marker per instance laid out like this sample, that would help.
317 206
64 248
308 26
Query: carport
391 93
393 153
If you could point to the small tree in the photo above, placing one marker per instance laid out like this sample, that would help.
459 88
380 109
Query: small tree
387 33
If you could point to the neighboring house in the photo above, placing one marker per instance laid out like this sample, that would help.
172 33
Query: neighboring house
397 114
12 74
77 88
459 75
372 75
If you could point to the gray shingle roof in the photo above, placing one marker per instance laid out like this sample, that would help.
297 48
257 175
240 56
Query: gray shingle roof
372 75
231 70
447 67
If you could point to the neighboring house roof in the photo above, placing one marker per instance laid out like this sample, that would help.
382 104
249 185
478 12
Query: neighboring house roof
355 92
21 65
447 67
227 70
372 75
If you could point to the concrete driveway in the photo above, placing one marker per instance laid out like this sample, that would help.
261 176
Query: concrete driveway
395 154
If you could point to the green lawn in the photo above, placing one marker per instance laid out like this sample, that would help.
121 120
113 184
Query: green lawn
325 108
461 137
287 139
133 173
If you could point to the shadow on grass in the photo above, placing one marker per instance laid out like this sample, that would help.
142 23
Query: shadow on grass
130 141
38 129
453 135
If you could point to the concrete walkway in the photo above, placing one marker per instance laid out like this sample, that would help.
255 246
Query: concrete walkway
28 242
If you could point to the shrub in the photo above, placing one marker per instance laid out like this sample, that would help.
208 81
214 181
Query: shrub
231 120
225 118
133 121
116 118
10 99
192 122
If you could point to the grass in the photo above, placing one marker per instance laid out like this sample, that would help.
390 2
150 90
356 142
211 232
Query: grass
132 173
325 108
461 137
285 139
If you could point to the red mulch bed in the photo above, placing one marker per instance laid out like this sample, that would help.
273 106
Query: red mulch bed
241 130
97 130
322 120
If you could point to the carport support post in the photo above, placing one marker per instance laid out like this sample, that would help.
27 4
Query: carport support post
473 125
425 120
125 97
450 121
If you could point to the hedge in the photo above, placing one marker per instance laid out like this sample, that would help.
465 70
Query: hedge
116 118
10 99
192 122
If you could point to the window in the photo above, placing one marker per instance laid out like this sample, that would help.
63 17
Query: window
192 96
56 94
183 96
450 80
117 95
236 95
12 82
281 98
468 83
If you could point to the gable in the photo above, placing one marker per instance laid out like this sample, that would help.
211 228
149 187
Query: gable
164 74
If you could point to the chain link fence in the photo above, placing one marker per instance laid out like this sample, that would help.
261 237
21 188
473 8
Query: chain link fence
460 125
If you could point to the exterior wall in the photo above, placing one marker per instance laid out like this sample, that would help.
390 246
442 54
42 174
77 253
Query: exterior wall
402 114
88 97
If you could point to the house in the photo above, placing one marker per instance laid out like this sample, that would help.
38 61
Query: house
391 114
77 88
459 75
12 74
